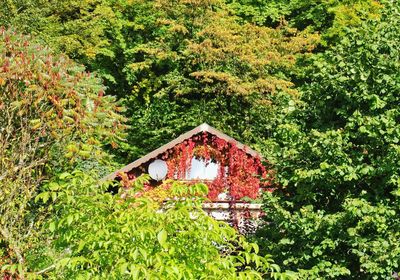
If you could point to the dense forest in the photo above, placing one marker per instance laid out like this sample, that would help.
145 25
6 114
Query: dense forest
88 86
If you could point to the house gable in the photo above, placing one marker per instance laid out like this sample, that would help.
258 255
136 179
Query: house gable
197 130
240 173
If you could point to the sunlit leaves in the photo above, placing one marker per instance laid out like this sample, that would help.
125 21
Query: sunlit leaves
52 114
107 236
339 162
330 17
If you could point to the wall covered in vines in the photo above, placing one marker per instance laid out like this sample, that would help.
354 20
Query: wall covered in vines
239 174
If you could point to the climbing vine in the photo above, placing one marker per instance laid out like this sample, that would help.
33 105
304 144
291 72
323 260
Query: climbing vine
239 174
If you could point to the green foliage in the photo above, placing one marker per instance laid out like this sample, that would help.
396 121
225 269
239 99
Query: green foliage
337 216
163 120
195 64
330 17
52 114
358 241
176 63
78 28
101 236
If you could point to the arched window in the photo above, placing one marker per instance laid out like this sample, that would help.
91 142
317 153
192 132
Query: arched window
202 170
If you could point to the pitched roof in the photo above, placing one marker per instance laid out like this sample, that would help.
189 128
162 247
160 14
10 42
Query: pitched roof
199 129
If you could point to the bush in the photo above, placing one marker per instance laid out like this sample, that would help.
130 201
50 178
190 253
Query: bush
52 114
101 236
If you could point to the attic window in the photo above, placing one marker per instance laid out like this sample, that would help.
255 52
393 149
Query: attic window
202 170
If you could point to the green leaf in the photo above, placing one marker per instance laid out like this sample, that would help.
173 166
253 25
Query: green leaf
44 196
123 268
52 226
64 175
162 237
70 219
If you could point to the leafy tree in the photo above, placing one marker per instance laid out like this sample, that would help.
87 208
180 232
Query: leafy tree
337 214
51 114
195 63
77 28
87 31
177 63
101 236
330 17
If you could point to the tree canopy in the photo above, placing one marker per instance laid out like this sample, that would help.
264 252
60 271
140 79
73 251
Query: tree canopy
174 63
52 113
341 174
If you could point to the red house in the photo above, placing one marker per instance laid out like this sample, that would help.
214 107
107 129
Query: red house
233 172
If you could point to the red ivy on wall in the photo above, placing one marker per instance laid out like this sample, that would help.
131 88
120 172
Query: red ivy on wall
239 175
